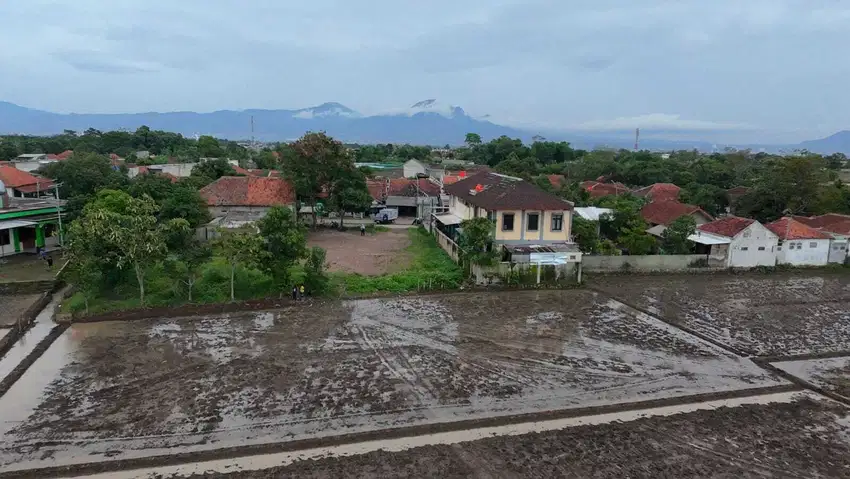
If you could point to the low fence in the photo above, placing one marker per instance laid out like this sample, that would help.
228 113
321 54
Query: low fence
447 244
649 263
506 273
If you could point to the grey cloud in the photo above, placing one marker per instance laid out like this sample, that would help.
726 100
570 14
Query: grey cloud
98 63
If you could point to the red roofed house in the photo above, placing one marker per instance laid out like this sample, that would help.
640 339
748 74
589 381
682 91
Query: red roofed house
659 214
598 189
738 242
237 200
377 189
659 192
556 180
838 226
413 197
800 244
20 184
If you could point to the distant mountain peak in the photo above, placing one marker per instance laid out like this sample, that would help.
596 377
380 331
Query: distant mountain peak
326 110
431 105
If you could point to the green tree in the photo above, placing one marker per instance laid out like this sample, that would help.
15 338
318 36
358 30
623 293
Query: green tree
128 228
187 262
81 176
315 279
586 234
186 203
209 147
208 171
472 140
675 237
285 243
310 169
348 192
240 248
84 271
476 243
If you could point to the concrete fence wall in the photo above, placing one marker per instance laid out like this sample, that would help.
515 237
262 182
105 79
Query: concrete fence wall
447 244
524 274
647 263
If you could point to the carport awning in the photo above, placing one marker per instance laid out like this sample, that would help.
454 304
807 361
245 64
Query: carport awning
708 239
449 219
7 225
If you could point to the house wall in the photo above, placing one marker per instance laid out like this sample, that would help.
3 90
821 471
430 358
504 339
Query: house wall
645 263
216 211
754 246
447 244
521 233
524 273
517 233
560 236
807 252
30 166
412 168
838 251
460 209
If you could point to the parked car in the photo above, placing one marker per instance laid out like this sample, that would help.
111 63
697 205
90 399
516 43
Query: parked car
385 215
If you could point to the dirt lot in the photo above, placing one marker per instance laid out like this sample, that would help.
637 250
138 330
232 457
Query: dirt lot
131 389
774 315
12 307
370 255
807 438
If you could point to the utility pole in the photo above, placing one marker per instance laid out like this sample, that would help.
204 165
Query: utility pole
637 138
59 214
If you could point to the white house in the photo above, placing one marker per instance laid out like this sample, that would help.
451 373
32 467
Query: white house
837 226
415 168
741 242
800 244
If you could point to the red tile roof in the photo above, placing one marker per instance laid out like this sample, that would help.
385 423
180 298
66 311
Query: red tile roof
241 171
450 179
790 229
598 189
659 192
171 177
248 191
729 226
65 155
667 211
377 189
408 187
23 181
556 180
495 192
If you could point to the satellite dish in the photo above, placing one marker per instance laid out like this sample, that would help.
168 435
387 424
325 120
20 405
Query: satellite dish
2 187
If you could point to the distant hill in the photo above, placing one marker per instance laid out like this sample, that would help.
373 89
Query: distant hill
427 122
838 142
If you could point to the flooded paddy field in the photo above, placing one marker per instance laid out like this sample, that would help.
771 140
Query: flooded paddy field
765 315
122 390
830 374
805 437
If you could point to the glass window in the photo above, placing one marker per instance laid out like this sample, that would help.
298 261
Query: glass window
813 244
533 222
557 222
745 248
761 248
507 221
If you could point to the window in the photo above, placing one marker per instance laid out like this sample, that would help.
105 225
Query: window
813 244
491 216
557 222
507 221
745 248
747 234
4 237
533 222
761 248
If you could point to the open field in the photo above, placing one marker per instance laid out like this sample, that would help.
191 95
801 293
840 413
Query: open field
804 438
770 315
373 254
116 390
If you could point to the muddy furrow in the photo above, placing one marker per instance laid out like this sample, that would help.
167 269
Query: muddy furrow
7 382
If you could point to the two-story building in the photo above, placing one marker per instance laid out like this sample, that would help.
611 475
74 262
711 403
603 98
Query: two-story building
523 215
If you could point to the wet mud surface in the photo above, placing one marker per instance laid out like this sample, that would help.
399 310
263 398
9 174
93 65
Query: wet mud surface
133 389
770 315
13 306
831 374
807 438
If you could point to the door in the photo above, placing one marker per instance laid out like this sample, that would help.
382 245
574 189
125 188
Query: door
837 251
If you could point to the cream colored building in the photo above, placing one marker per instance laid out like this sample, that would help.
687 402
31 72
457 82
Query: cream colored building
522 213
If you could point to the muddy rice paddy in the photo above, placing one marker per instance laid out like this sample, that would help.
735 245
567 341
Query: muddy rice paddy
123 390
765 315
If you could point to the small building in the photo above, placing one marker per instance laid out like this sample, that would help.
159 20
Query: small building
837 226
33 161
659 192
739 242
29 223
413 197
522 213
249 196
21 184
799 243
659 215
597 189
416 169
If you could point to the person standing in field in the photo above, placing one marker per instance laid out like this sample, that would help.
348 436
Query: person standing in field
362 230
301 292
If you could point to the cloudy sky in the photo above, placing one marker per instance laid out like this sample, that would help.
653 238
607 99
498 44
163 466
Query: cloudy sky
759 70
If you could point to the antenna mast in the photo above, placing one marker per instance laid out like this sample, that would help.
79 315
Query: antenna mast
637 138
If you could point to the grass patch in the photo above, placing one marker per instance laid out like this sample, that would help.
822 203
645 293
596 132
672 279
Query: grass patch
431 268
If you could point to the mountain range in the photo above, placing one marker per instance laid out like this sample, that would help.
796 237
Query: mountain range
427 122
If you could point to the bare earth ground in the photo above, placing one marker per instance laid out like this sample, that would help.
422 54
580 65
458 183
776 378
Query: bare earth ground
122 390
761 315
13 306
807 438
370 255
